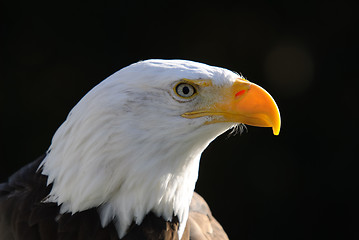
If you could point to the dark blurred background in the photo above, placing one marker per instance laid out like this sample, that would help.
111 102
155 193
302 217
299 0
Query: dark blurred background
301 184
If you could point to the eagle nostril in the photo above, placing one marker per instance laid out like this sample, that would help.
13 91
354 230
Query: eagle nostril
240 93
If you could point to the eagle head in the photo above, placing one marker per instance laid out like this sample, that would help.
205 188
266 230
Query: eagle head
132 144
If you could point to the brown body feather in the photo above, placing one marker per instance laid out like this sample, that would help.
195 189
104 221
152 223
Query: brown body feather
23 216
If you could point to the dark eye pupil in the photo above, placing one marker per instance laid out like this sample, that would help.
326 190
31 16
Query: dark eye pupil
185 90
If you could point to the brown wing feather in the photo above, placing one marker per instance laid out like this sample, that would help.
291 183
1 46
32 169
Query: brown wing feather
201 225
24 216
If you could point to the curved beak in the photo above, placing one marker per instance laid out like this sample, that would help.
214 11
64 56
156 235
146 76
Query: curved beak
243 102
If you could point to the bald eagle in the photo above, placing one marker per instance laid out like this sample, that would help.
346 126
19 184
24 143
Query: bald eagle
124 163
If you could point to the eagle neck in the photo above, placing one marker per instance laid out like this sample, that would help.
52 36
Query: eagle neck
164 185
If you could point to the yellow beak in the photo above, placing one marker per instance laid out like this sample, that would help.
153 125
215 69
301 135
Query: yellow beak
243 102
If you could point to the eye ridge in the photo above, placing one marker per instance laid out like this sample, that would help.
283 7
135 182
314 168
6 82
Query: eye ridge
185 90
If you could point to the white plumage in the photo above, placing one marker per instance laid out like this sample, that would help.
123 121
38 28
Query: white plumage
127 147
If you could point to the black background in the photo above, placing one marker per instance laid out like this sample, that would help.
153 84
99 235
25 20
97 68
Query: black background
301 184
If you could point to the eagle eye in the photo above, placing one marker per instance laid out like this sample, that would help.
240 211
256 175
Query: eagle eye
185 90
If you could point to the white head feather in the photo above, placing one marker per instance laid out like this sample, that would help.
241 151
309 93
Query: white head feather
126 148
